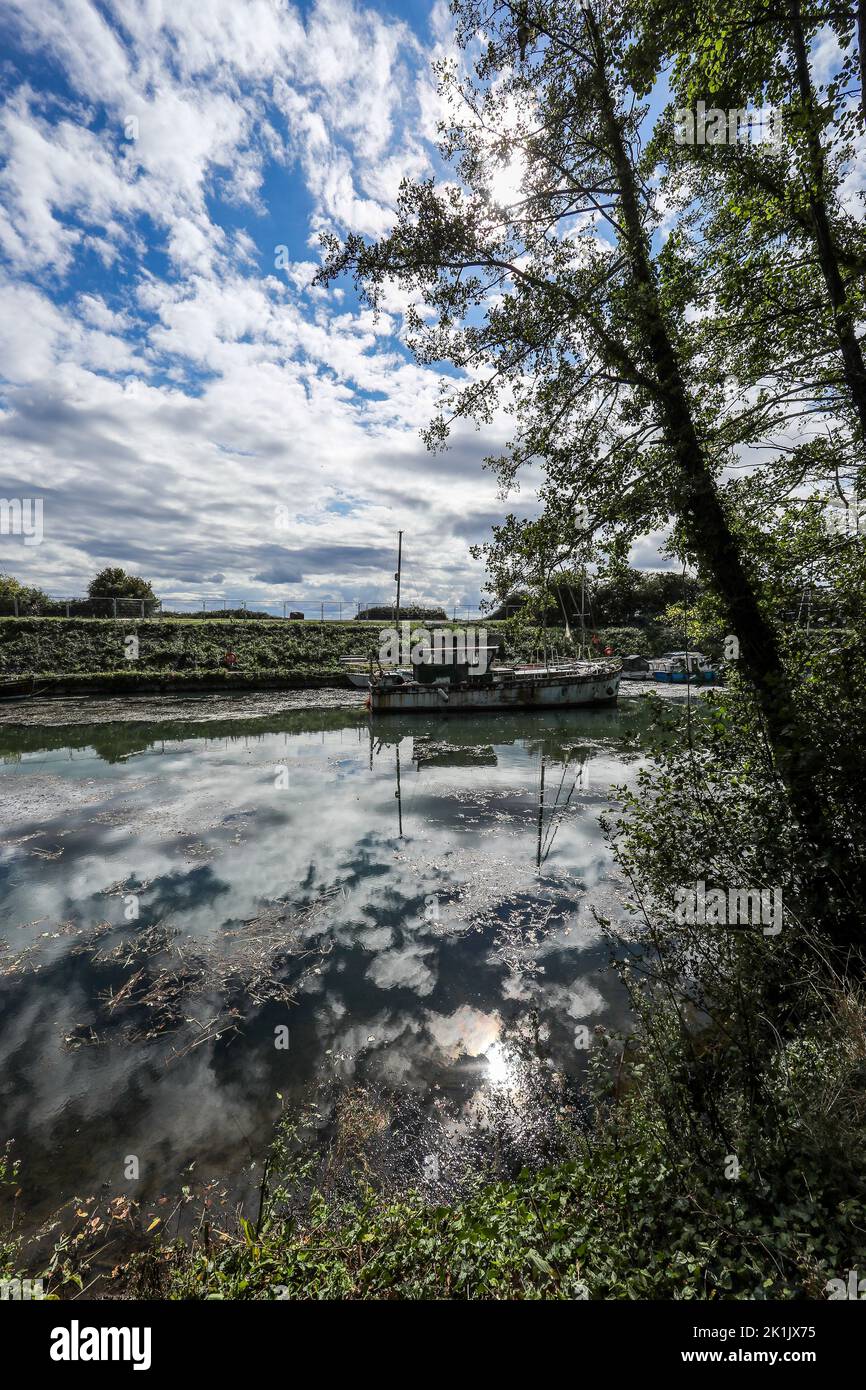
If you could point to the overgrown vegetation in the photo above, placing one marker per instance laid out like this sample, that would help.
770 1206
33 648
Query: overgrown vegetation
87 649
61 647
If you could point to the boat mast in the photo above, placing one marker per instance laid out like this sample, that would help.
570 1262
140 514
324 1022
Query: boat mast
543 620
397 575
564 606
582 649
540 813
582 608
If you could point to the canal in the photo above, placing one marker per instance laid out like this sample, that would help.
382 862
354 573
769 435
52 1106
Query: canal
206 921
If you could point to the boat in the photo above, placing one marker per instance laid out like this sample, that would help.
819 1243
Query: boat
679 668
458 673
466 686
357 671
635 668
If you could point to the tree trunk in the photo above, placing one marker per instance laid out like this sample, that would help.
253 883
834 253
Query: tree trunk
843 322
717 548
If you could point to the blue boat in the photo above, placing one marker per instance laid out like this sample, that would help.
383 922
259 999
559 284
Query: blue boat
680 668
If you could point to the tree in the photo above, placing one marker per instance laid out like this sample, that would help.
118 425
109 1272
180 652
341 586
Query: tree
414 612
555 308
30 600
114 582
777 249
622 595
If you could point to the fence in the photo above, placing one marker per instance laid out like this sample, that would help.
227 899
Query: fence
314 610
52 606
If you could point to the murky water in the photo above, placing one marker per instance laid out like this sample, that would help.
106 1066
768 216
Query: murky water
198 918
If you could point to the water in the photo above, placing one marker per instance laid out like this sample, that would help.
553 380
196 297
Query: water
411 885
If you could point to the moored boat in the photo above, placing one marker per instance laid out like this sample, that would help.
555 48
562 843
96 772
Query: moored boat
635 668
357 671
679 668
461 688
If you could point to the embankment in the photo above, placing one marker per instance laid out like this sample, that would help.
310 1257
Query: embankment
69 656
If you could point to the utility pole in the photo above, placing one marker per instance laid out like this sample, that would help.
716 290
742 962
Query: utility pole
397 575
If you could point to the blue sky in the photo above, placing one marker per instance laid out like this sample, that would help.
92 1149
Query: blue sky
171 385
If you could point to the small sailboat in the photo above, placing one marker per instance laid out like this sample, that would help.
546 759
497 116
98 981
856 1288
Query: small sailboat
357 670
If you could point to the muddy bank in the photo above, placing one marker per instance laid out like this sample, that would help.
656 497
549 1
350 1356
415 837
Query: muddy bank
146 709
224 705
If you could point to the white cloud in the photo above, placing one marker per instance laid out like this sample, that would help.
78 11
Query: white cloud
187 384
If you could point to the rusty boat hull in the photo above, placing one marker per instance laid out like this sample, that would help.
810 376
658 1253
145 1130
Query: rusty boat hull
521 690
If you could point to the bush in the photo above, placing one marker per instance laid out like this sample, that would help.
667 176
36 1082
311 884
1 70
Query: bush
385 613
623 1215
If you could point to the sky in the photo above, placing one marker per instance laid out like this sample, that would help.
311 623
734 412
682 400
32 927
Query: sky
182 399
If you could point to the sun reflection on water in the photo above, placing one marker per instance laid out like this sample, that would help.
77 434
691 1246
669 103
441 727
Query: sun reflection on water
501 1070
